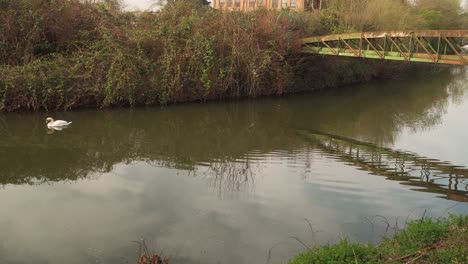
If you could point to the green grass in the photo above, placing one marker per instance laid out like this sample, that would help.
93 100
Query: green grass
427 240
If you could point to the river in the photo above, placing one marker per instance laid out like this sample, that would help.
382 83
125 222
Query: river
237 181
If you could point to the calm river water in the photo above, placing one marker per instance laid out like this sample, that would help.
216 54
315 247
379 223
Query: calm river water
233 182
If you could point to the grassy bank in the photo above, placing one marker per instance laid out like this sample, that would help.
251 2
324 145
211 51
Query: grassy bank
64 54
423 241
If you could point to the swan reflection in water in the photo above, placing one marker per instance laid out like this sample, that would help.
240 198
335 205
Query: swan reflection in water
51 130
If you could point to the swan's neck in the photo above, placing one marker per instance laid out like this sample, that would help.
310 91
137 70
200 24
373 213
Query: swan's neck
50 121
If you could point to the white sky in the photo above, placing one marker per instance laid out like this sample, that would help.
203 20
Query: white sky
137 4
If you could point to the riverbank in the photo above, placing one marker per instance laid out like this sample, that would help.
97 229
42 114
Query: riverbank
426 240
61 55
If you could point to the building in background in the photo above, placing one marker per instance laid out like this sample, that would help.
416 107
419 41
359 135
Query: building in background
244 5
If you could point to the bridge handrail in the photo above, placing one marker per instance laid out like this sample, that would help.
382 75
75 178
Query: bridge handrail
381 34
429 46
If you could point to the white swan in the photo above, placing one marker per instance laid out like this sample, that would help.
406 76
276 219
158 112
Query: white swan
465 48
57 123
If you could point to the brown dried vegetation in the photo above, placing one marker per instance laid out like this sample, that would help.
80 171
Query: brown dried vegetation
64 54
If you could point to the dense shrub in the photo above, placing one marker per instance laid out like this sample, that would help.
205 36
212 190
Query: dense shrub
63 54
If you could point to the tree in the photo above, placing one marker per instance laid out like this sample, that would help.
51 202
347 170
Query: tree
440 14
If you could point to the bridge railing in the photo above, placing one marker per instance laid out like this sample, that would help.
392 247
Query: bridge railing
430 46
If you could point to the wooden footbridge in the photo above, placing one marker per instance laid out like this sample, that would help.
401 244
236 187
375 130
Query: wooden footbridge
431 46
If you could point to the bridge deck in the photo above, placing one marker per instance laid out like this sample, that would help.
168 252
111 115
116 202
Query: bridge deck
430 46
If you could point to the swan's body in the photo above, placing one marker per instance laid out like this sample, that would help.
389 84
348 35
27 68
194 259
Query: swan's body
465 48
56 123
